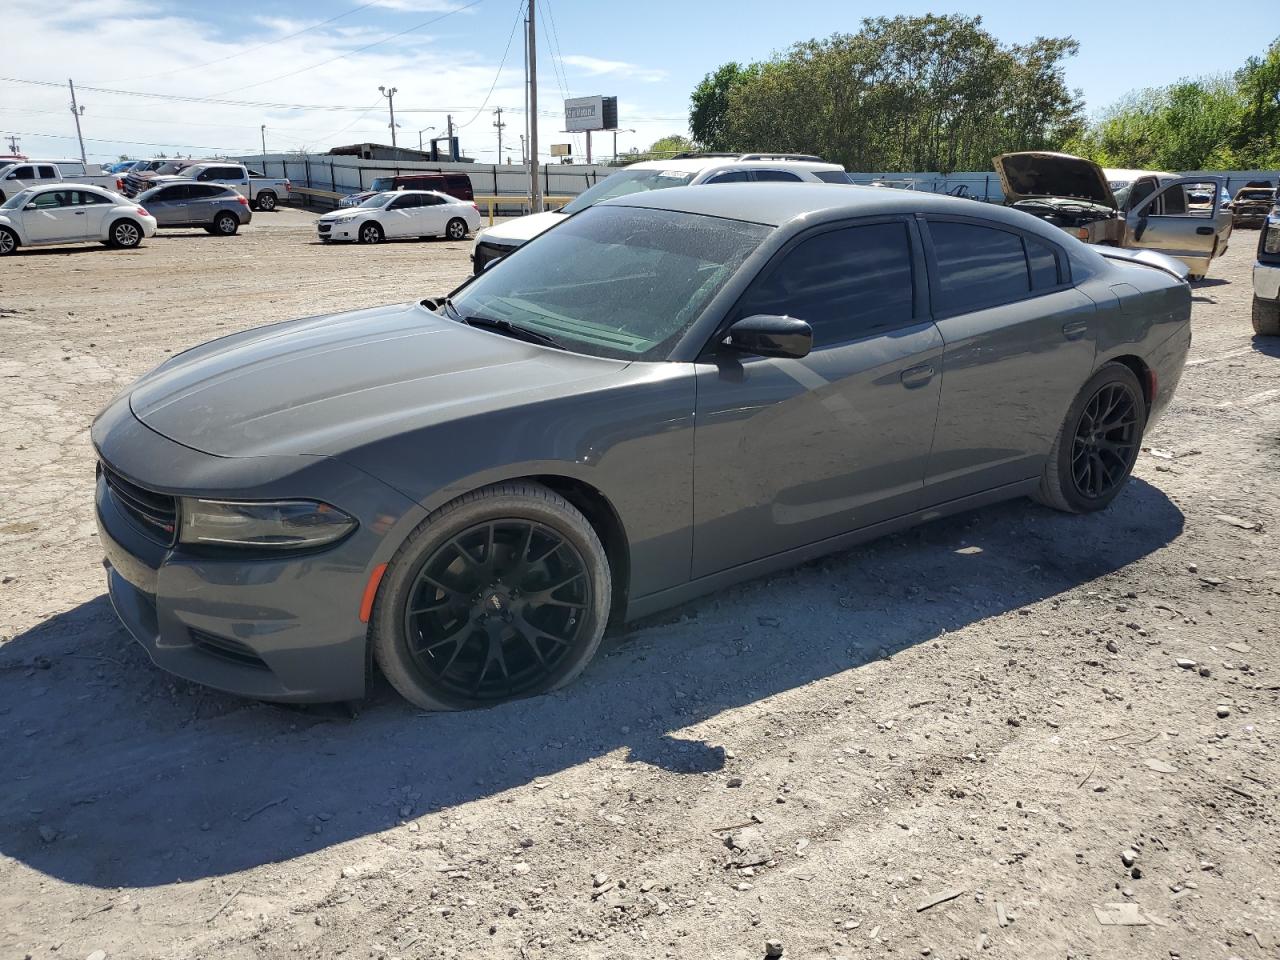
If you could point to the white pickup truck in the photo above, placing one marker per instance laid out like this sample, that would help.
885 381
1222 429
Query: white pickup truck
16 176
263 193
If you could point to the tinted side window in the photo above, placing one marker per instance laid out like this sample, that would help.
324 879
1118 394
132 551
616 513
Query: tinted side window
89 199
203 191
406 202
732 176
978 266
431 200
48 172
22 173
847 283
1044 264
778 176
832 176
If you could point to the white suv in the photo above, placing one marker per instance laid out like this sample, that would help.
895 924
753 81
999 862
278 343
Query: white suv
682 170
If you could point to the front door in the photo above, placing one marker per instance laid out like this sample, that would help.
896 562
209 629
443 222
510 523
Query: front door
1183 219
54 217
789 452
402 216
168 205
1020 342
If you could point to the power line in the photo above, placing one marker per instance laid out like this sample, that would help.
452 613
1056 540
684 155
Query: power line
493 86
241 53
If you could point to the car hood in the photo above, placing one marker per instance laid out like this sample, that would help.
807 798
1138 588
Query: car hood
324 385
1041 174
522 229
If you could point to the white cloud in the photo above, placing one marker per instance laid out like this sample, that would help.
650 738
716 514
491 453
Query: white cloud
596 67
419 6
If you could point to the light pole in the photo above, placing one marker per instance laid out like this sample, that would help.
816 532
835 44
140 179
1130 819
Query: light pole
390 94
77 112
420 133
264 149
615 142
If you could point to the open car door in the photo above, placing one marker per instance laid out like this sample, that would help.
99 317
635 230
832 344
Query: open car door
1183 219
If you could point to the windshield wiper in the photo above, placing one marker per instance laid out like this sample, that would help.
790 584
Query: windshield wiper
510 329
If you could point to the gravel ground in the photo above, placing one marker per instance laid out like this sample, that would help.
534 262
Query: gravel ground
974 739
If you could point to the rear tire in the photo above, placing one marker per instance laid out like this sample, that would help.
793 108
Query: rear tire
8 241
1266 317
501 594
226 224
266 201
370 233
456 229
125 234
1094 452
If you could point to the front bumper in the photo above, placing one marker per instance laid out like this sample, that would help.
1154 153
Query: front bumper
342 231
271 627
486 251
1266 281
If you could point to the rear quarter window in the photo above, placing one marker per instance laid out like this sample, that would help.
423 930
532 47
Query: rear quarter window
977 266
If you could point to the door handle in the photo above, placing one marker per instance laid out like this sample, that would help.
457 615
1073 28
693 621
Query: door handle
914 377
1075 330
1205 231
79 213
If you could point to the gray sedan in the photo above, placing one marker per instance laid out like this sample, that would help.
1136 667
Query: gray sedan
662 395
218 209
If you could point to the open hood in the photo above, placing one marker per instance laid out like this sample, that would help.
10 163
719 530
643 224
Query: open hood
1035 174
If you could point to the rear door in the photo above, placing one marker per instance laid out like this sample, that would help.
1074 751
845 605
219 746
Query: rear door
433 215
1183 219
1020 342
204 200
790 452
54 217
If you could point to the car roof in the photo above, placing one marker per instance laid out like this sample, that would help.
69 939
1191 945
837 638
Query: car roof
49 187
774 204
696 163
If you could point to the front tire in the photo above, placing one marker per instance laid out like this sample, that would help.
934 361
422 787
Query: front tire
125 234
456 229
226 225
501 594
1098 444
369 233
1266 317
8 241
266 201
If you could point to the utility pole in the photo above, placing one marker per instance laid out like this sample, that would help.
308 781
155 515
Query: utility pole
264 149
77 112
448 122
588 146
523 158
391 105
499 124
13 144
535 185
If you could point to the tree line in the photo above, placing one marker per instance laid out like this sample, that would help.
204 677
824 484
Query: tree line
940 92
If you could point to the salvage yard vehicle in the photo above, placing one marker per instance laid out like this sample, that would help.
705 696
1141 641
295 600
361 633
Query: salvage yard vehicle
1266 278
16 177
454 184
404 213
1182 217
71 214
218 209
144 172
653 400
682 170
263 193
1251 206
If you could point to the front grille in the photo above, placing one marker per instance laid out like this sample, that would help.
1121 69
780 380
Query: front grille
324 227
226 649
486 252
156 514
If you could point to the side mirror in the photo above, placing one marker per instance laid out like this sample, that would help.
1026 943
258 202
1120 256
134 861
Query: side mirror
29 206
770 336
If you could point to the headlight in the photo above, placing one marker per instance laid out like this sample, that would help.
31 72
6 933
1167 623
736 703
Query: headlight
343 219
273 525
1272 242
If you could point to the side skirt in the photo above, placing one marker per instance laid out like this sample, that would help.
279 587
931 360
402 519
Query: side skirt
639 607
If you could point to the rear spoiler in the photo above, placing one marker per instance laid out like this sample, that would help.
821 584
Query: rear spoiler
1148 258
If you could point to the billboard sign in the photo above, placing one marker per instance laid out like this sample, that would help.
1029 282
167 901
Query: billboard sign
591 113
561 149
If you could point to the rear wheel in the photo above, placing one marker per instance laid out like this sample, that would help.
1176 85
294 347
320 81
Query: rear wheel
226 224
503 593
266 201
456 229
8 241
1266 317
125 234
370 233
1094 452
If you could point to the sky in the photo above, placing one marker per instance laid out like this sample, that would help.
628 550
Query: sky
147 71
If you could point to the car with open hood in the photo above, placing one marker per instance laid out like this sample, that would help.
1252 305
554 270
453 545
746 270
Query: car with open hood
1252 204
1182 217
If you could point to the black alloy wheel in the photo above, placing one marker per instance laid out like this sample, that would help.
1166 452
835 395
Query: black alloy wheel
495 609
1107 439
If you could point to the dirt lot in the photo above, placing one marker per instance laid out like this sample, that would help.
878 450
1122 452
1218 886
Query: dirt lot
989 709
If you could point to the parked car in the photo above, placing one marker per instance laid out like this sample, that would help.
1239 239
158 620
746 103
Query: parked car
16 177
80 213
1266 278
454 184
144 172
1183 217
262 192
1251 206
403 213
120 167
654 399
683 170
218 209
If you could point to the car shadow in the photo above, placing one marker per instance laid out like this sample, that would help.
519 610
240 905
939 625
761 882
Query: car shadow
1208 282
1270 346
117 775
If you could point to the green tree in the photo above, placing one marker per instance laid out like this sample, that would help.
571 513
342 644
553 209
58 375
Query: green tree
667 146
709 104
